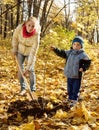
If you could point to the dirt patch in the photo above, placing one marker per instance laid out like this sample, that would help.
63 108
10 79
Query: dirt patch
32 108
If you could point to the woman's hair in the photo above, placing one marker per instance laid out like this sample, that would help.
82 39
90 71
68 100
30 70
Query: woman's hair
35 21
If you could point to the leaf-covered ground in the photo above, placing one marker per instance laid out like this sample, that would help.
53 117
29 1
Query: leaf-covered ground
48 112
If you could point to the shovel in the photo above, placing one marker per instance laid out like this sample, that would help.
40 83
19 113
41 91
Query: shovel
33 97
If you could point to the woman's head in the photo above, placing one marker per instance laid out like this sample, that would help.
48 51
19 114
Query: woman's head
30 24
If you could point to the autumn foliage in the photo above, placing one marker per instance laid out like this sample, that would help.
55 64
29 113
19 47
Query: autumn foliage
51 89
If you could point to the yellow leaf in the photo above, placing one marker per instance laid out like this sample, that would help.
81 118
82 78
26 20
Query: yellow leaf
87 114
13 128
29 126
37 125
61 114
82 127
78 112
19 118
96 128
97 109
30 118
49 105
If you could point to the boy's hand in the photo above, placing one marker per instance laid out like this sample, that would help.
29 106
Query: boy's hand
52 47
81 69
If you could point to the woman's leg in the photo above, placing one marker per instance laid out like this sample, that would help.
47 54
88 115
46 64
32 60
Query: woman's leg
32 80
32 77
21 59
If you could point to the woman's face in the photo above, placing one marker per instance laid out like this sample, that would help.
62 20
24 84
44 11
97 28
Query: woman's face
29 26
76 46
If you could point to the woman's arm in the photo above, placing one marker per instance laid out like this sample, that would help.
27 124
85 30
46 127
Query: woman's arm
15 41
34 49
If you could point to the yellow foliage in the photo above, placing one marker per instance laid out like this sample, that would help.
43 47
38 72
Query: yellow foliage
77 120
53 98
55 87
78 112
30 118
37 125
28 126
96 128
49 105
8 1
19 117
82 127
61 114
87 114
13 128
74 24
97 109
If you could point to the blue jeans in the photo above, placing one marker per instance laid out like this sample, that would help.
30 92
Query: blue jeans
73 87
21 59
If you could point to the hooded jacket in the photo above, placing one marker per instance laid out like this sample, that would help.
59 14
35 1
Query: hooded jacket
73 58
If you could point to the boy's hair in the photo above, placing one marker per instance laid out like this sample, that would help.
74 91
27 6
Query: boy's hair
78 39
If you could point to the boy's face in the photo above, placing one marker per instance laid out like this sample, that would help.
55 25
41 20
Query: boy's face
29 26
77 46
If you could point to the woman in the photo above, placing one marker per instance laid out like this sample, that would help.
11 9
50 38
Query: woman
25 44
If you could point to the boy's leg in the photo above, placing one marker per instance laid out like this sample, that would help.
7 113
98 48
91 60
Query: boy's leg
73 90
76 88
70 88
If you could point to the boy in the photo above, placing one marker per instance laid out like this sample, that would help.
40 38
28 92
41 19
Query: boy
77 62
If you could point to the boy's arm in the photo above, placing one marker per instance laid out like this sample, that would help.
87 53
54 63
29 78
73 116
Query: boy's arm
83 66
59 52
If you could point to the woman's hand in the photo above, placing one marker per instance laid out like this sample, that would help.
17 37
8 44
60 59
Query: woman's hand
14 53
26 73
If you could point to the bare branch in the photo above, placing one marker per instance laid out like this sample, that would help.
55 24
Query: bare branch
10 8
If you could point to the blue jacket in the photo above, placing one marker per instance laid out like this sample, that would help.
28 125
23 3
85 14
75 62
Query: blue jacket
73 58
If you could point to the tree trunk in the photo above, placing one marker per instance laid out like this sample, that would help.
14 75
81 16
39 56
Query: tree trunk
12 19
29 4
5 24
1 21
45 16
45 24
18 12
23 6
36 7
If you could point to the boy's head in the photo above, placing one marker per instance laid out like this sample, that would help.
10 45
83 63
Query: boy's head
77 43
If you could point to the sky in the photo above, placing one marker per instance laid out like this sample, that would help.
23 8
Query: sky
61 3
72 5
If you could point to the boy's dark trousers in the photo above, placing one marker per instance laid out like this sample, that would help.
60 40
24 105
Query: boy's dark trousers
73 87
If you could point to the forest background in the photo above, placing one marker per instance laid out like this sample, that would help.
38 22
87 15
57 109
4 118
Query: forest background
60 21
